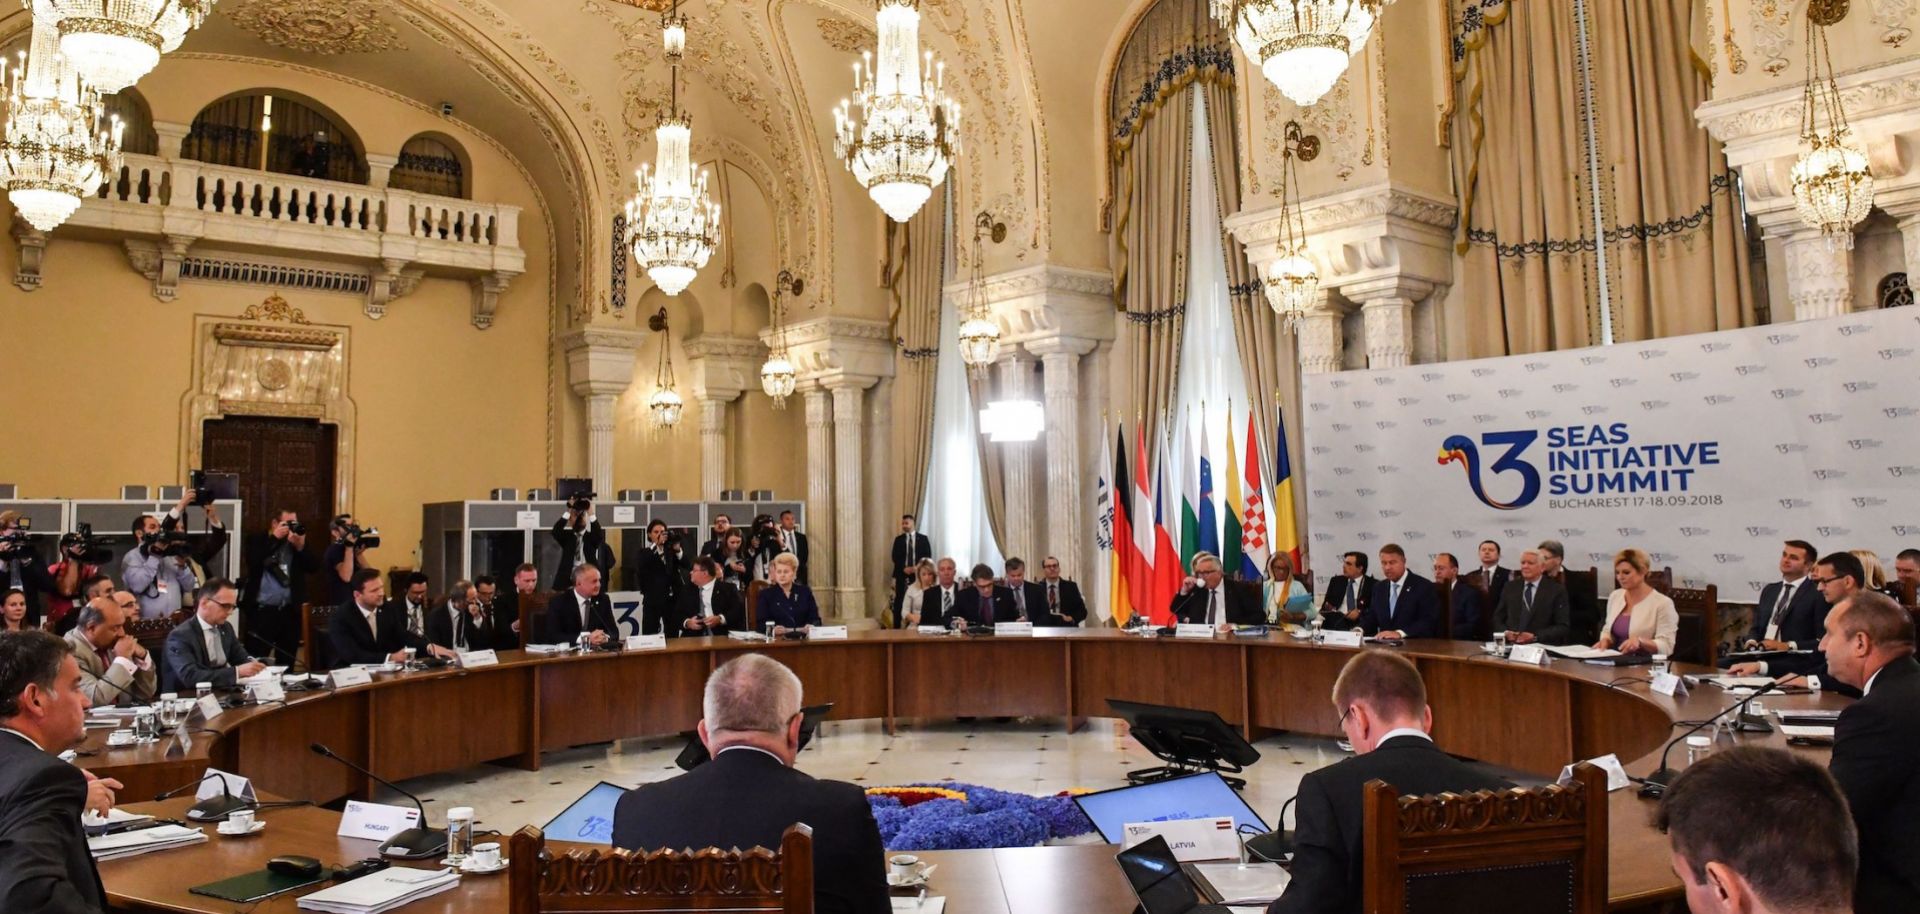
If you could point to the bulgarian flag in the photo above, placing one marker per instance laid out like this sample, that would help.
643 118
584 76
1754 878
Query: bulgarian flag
1286 537
1232 559
1191 512
1253 536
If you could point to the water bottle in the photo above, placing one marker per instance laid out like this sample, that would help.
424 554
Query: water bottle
1313 626
1698 747
459 835
769 631
1659 665
1500 644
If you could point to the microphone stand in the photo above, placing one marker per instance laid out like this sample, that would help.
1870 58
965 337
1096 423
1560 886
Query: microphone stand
417 843
1655 784
211 809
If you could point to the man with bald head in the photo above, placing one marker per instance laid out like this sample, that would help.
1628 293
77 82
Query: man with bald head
1534 607
1869 645
115 669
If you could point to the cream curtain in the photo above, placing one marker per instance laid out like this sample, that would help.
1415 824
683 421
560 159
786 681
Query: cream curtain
1675 241
915 272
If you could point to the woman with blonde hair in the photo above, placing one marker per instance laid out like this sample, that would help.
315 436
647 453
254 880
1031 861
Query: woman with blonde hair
1640 620
786 604
924 579
1282 596
1876 573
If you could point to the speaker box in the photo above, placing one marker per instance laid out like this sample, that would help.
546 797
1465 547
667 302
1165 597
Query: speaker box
132 493
504 495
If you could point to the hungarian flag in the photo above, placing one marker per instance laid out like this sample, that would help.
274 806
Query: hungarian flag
1286 537
1232 559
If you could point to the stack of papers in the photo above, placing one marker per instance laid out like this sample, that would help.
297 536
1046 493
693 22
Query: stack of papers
141 841
1248 884
380 891
1580 652
549 648
114 816
1739 682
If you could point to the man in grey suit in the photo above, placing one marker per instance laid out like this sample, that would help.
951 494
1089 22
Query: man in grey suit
1534 606
114 668
204 648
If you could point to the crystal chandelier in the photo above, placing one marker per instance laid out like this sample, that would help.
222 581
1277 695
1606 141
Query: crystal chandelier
1832 188
665 406
112 43
675 225
907 130
777 374
58 146
1301 45
1293 285
979 332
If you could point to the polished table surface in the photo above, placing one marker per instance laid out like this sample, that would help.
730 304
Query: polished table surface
1527 718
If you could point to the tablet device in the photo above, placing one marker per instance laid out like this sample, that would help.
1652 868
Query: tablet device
1160 882
1195 796
248 888
589 819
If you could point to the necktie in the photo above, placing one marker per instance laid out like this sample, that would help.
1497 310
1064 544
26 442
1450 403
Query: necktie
1529 596
706 600
946 602
216 652
459 628
1351 587
1213 607
909 538
586 615
1053 598
1020 601
1393 599
1780 608
415 625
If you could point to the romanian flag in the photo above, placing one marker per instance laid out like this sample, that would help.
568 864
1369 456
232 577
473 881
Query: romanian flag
1253 534
1232 539
1286 537
1125 556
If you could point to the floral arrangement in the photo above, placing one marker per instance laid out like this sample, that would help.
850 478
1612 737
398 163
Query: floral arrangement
954 816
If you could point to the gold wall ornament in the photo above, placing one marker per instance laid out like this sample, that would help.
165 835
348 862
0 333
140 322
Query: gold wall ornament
845 37
274 374
318 26
1827 12
274 308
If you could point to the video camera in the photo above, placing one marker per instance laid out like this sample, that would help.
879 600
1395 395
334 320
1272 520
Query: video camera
165 543
356 535
576 491
17 541
80 546
211 487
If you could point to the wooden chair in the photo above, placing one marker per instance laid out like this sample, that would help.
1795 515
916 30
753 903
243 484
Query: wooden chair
1539 851
533 616
1661 579
1446 607
1489 602
315 650
152 633
753 604
707 880
1698 640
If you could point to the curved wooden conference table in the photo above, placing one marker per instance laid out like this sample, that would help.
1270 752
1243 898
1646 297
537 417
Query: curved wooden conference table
1528 718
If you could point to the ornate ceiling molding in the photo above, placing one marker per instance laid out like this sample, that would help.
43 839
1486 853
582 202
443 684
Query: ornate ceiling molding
839 351
318 26
845 37
1773 114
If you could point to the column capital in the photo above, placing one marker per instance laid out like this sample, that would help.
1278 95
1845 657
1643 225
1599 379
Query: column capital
1319 340
723 367
1044 302
171 136
1061 345
600 359
839 351
1380 231
1401 288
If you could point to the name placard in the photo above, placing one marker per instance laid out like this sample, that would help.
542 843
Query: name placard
267 690
350 676
932 629
211 785
1189 839
526 520
1013 628
471 659
1529 653
1616 775
1193 630
1350 638
1669 685
646 642
623 514
828 633
375 821
209 707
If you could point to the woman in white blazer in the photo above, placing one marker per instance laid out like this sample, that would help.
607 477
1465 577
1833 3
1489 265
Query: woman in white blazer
923 581
1640 620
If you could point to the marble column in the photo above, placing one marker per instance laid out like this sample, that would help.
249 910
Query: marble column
883 492
848 505
1067 507
1819 276
1016 461
1319 338
599 369
1386 305
820 518
713 447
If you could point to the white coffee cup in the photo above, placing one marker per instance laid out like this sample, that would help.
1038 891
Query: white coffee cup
238 821
903 866
485 856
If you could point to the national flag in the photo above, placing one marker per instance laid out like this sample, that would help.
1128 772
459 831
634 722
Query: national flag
1186 536
1126 555
1286 537
1167 570
1140 580
1232 559
1103 528
1253 531
1209 519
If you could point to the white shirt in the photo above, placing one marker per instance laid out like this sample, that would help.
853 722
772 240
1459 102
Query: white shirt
1869 686
706 600
751 749
1403 731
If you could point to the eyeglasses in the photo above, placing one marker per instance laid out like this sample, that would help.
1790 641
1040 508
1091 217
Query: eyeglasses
226 606
1346 714
1820 582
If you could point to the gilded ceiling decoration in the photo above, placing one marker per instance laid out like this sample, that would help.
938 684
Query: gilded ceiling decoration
318 26
846 37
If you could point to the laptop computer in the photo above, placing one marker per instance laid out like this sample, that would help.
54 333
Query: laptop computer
1196 796
1161 883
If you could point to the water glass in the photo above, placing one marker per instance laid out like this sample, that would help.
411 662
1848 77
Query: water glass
1659 666
146 727
459 835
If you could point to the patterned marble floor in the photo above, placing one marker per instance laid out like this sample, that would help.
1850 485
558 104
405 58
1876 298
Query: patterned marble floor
1035 757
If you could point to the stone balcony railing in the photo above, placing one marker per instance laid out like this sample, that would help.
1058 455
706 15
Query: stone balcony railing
181 218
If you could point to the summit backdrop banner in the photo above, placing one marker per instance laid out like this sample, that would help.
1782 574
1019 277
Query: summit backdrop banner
1706 451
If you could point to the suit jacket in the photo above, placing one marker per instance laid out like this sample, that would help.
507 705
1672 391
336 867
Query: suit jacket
1805 620
799 551
108 684
795 611
1874 744
1333 609
563 617
1326 837
727 605
1549 621
747 798
966 605
187 663
504 611
1466 611
256 552
1478 580
353 642
922 549
1035 597
1417 613
443 629
1072 606
44 864
1583 611
1239 600
397 608
661 574
596 551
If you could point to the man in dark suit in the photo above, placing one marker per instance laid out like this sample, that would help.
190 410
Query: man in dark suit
1583 605
661 566
1489 579
1462 601
1384 714
1744 822
582 608
462 622
1029 598
278 566
411 610
982 604
1063 605
1404 604
500 618
908 549
1348 593
792 540
581 542
1869 645
204 647
1534 607
359 632
1791 614
708 606
44 864
1208 598
750 793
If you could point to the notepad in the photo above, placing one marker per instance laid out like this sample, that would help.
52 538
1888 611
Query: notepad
380 891
1579 652
143 841
1252 884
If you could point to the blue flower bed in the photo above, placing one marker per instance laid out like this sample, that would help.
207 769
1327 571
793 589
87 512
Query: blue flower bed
987 818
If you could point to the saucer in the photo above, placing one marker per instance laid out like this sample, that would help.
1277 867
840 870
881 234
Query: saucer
472 869
258 827
899 881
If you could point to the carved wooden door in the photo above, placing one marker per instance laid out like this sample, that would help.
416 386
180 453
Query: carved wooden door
283 464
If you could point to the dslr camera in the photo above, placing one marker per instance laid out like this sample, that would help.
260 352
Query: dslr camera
580 501
296 528
80 546
17 542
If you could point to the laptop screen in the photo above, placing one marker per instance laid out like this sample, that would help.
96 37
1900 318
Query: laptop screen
1196 796
590 818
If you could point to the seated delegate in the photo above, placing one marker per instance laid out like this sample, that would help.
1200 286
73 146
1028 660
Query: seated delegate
1533 607
787 604
1640 620
1284 599
204 648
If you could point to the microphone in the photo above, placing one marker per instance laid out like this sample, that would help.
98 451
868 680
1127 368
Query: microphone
1277 845
419 843
1655 784
273 651
211 809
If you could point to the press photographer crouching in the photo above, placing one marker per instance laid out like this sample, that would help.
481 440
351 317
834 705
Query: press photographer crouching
156 569
20 567
277 567
346 555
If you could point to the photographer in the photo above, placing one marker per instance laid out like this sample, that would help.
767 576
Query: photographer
20 567
79 565
277 567
345 555
581 542
763 543
156 570
202 547
661 566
